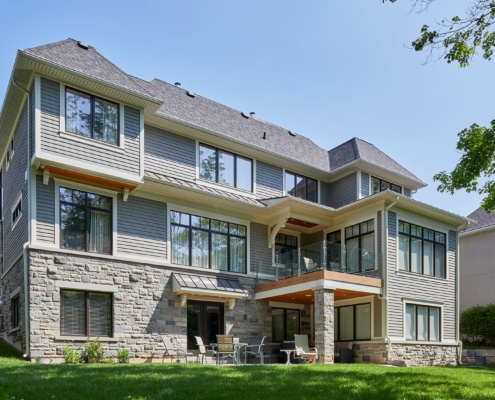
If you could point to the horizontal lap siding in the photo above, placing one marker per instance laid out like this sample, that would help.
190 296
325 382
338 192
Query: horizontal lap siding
169 154
51 142
142 227
325 193
45 211
412 286
343 191
407 192
269 181
260 253
365 184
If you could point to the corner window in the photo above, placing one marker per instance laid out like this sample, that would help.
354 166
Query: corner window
422 323
360 247
17 211
353 322
421 250
301 187
15 312
91 116
85 221
226 168
208 243
285 323
85 313
379 185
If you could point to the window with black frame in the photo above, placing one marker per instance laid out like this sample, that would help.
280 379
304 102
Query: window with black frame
360 247
379 185
15 312
301 186
422 250
334 250
208 243
352 322
224 167
422 323
285 249
85 221
86 313
285 323
91 116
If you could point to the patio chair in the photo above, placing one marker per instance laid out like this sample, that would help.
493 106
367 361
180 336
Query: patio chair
203 350
173 351
225 347
309 355
256 350
309 264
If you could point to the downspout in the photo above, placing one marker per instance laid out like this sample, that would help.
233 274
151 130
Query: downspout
385 280
457 293
26 245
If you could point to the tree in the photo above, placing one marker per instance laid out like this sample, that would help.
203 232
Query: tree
479 321
457 40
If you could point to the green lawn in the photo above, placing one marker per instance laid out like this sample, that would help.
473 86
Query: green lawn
23 380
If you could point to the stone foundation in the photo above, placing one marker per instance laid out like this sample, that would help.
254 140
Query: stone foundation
422 355
369 352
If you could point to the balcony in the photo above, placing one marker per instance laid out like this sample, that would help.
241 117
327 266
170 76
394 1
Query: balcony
319 256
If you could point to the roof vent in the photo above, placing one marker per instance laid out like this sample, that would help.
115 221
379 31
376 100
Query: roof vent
292 133
264 135
83 45
252 113
177 84
190 94
244 115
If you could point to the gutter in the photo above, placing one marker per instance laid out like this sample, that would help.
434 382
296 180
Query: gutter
26 245
457 293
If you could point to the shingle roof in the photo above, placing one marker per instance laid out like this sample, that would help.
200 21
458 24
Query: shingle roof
481 219
357 149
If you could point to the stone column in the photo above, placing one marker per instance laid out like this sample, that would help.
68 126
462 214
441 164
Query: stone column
324 325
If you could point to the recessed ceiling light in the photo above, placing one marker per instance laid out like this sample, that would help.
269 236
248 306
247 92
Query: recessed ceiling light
308 295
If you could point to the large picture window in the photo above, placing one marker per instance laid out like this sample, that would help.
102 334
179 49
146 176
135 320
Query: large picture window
379 185
91 116
285 323
301 187
421 250
85 221
360 247
226 168
422 323
208 243
352 322
85 313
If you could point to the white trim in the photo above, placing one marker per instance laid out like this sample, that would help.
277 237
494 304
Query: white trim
121 127
254 177
284 188
225 188
91 141
358 184
15 292
478 230
62 107
422 302
16 203
197 160
141 144
32 205
89 287
37 115
292 306
358 301
412 275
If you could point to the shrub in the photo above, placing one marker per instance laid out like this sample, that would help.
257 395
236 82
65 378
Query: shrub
123 355
108 361
71 356
94 351
479 321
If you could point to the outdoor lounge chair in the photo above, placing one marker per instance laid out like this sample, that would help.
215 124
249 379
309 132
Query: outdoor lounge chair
174 351
203 350
256 350
303 350
225 347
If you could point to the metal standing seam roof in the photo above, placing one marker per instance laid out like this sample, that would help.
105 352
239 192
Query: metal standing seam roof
202 282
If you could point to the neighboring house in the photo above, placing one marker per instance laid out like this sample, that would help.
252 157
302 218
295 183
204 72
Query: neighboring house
477 260
133 208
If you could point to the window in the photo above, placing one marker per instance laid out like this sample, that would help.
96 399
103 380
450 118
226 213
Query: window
204 319
285 248
15 312
421 250
301 187
226 168
334 252
285 323
86 313
208 243
17 211
91 116
379 185
360 247
353 322
85 221
422 323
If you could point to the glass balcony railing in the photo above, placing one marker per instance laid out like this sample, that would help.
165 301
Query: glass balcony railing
317 256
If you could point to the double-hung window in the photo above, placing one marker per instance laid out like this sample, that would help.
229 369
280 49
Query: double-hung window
379 185
301 187
422 323
360 247
86 313
353 322
208 243
85 221
227 168
421 250
91 116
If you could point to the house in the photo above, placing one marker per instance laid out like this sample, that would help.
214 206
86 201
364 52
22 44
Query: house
476 257
135 208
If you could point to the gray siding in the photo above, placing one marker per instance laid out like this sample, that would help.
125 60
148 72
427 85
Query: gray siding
169 154
260 253
142 227
14 182
45 211
51 142
379 239
365 184
269 181
325 193
377 317
343 191
404 285
407 192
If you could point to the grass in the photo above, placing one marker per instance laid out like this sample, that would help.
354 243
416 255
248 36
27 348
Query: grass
23 380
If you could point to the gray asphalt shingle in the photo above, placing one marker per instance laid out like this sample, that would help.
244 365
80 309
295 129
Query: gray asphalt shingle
481 219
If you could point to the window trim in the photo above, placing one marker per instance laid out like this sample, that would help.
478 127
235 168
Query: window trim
15 311
359 236
285 320
337 322
17 203
286 192
416 303
381 182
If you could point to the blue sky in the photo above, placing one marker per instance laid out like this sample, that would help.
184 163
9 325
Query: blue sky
329 70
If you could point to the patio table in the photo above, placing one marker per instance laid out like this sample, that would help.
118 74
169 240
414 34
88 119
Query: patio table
288 352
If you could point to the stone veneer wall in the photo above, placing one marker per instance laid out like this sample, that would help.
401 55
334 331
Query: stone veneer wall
369 352
143 305
324 325
423 355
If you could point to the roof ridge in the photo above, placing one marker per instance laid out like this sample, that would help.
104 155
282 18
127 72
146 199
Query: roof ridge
356 147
